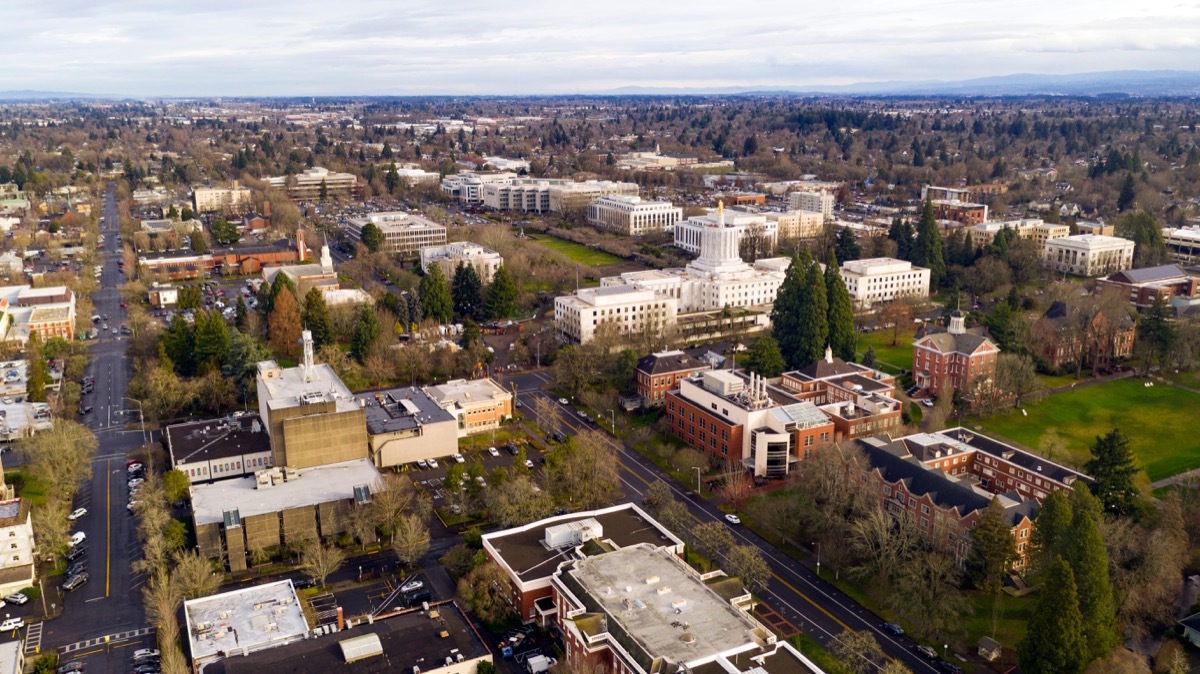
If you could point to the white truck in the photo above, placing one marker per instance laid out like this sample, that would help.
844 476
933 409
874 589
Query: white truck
539 663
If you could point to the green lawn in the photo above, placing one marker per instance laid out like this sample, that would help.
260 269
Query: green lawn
1160 422
27 486
1056 381
899 355
576 251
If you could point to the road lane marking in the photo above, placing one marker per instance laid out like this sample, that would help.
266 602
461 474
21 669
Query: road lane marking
108 519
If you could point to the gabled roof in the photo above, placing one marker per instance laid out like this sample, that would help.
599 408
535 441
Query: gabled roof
669 361
966 343
1149 274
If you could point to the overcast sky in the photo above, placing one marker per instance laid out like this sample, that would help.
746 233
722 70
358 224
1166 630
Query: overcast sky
399 47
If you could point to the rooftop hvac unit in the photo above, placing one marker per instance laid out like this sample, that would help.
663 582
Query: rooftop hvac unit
723 383
573 533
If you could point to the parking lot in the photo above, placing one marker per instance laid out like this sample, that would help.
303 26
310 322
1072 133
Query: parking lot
432 480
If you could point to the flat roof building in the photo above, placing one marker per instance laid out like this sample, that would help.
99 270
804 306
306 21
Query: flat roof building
12 657
213 199
1034 229
48 311
310 183
689 233
1183 243
478 404
485 261
630 215
243 622
1088 254
403 233
405 425
883 279
214 449
817 201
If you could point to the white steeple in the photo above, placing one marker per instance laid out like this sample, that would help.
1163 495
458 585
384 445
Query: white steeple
326 258
958 323
828 354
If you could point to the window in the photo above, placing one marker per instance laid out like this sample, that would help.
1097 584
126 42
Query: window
924 509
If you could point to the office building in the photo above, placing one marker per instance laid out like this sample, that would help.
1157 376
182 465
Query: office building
953 359
405 425
1183 243
796 224
220 199
883 279
479 405
404 233
467 187
627 309
965 212
575 196
524 195
690 233
814 201
216 449
1142 286
1032 229
25 310
411 174
485 261
631 216
1088 254
310 184
242 622
311 417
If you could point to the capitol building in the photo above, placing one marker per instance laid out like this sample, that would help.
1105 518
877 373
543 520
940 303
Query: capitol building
659 299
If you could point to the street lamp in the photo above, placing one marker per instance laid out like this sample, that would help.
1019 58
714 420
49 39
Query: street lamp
141 418
818 544
613 415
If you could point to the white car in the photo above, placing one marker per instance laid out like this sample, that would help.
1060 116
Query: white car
17 599
145 653
411 586
563 401
78 512
77 538
458 458
493 451
135 482
733 519
529 463
422 464
12 624
433 463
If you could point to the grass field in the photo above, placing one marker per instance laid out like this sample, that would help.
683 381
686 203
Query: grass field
1160 422
899 355
576 251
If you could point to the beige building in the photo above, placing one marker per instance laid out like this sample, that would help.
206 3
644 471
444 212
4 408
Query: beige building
308 185
17 568
311 417
403 233
576 196
817 201
406 425
485 260
1088 254
1033 229
467 187
792 225
1183 243
883 279
631 309
525 195
215 199
630 215
478 404
689 234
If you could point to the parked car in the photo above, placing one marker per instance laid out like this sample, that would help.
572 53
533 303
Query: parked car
77 538
422 464
458 458
16 598
146 653
563 401
12 624
433 463
77 513
732 519
950 667
927 652
74 569
493 451
76 552
893 628
74 582
70 667
412 586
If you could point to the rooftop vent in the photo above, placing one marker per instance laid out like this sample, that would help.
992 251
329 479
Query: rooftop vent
650 580
688 638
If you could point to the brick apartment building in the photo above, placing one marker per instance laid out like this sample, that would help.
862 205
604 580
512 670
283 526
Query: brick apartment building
967 213
858 400
661 372
1065 333
953 359
1142 286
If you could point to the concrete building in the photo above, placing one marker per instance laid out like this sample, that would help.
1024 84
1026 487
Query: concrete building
17 565
309 184
479 405
1183 243
485 261
1033 229
631 216
798 224
1088 254
934 192
24 310
216 449
661 372
689 234
311 417
280 505
404 233
467 187
883 279
220 199
628 309
952 359
242 622
524 195
1142 286
575 196
12 657
1097 227
412 174
814 201
405 425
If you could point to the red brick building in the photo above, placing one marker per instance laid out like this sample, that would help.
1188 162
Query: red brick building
238 260
661 372
1142 286
857 399
967 213
954 359
1066 333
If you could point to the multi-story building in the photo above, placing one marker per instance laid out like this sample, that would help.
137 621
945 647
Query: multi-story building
1033 229
310 183
1069 333
968 213
573 196
219 199
859 400
18 570
1088 254
883 279
310 415
235 446
815 201
741 420
1183 243
25 310
241 259
411 174
485 261
1097 227
479 405
1142 286
792 225
935 193
403 233
467 187
953 359
627 309
525 195
631 216
660 372
406 425
689 234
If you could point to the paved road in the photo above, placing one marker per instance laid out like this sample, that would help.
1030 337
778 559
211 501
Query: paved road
110 602
807 602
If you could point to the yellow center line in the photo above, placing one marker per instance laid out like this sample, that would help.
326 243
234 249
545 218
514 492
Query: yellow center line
108 525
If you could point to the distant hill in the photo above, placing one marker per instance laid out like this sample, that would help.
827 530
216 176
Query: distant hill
32 95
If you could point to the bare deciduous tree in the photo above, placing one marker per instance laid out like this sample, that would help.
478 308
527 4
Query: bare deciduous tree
411 540
321 560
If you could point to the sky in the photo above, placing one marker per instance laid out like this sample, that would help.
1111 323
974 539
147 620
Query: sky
419 47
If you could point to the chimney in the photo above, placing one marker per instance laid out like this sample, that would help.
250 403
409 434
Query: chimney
267 210
301 251
341 619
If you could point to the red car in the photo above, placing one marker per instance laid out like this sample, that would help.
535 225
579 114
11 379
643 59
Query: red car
122 305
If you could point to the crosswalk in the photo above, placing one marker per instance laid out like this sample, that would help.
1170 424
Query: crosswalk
33 638
101 641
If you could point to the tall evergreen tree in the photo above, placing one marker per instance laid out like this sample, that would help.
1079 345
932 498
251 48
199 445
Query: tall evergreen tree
501 301
785 314
846 245
211 340
39 374
241 314
992 549
1054 642
398 305
840 316
372 237
1050 527
436 302
813 317
366 332
1084 550
1156 333
927 248
764 358
902 233
178 342
1112 468
416 310
467 291
317 319
1128 193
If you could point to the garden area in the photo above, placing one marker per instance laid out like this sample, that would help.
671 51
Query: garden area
589 257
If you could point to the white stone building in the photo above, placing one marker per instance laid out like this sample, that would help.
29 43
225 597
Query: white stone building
527 195
212 199
690 233
1034 229
485 260
797 224
1088 254
467 187
631 216
404 233
883 279
307 185
820 202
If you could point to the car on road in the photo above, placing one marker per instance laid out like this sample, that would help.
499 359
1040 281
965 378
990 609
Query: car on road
77 513
74 582
892 628
16 598
563 401
493 451
70 667
433 463
926 652
12 624
77 538
145 653
115 331
732 519
411 586
950 667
